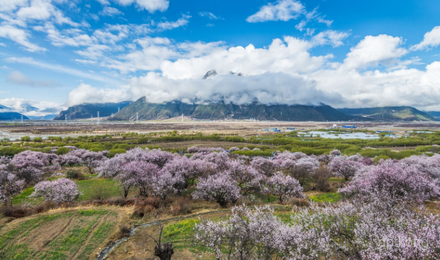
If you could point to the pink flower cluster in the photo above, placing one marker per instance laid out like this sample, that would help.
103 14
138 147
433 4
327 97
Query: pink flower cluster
58 191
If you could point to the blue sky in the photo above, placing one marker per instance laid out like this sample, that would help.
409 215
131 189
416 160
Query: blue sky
56 53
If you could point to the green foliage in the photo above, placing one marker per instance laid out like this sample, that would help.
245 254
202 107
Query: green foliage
254 153
38 139
327 197
74 174
88 188
24 196
11 151
113 152
387 153
180 234
55 138
25 139
142 140
62 150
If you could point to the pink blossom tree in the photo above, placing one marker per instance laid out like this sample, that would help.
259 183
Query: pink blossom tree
83 157
395 180
248 179
284 186
58 191
137 174
344 167
10 184
192 149
186 171
258 234
264 166
29 165
220 188
348 230
69 160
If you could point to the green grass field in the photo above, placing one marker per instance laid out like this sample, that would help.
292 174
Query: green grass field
327 197
73 235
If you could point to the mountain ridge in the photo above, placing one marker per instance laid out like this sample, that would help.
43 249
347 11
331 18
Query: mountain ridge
87 110
391 113
211 111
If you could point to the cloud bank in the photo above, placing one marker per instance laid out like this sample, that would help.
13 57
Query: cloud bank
373 73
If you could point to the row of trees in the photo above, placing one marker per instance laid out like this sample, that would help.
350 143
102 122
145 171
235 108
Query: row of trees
222 177
380 229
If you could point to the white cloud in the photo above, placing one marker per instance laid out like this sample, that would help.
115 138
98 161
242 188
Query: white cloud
94 52
403 87
103 2
73 37
315 16
62 69
290 55
374 50
184 20
11 5
149 5
87 94
430 39
284 72
19 78
283 10
335 38
43 10
110 11
85 61
209 15
19 36
24 106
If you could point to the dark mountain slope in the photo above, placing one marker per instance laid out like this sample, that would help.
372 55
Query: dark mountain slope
152 111
88 110
389 113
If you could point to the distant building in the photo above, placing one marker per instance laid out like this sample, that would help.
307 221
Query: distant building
349 126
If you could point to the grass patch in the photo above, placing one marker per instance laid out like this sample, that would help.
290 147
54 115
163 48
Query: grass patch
97 238
92 212
327 197
79 232
24 197
336 179
88 187
180 234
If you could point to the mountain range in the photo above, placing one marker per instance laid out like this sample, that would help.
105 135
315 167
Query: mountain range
11 116
214 111
401 113
88 110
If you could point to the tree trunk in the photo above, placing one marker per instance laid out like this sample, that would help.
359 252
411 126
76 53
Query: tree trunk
164 252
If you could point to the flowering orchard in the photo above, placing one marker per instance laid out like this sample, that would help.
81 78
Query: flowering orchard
382 215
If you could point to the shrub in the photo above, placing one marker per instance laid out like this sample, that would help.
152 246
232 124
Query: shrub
25 139
99 191
320 178
62 150
124 231
181 206
74 175
38 139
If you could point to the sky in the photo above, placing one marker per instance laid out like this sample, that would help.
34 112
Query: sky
59 53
